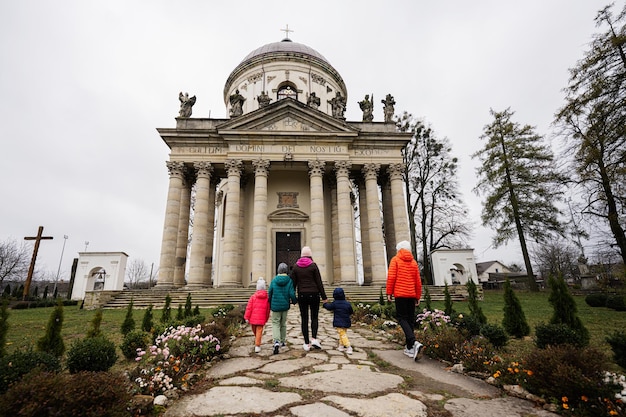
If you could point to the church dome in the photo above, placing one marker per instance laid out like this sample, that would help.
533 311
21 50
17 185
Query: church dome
276 66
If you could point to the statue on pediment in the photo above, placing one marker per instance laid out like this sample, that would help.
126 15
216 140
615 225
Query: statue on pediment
367 106
186 103
313 101
236 104
388 109
338 106
264 100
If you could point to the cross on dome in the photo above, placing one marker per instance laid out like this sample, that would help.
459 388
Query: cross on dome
287 30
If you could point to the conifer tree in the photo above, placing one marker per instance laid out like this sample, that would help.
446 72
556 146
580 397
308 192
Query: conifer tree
188 306
146 324
45 293
7 291
180 315
52 342
565 309
166 315
474 308
94 330
196 310
4 326
514 320
129 322
447 300
427 298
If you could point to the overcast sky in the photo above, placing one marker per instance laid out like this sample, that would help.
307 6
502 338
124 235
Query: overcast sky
84 85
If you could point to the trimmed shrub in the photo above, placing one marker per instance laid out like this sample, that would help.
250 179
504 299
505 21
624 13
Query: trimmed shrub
565 309
557 334
617 340
427 298
468 325
86 394
94 330
7 291
495 334
4 326
196 310
616 302
441 344
92 354
133 342
448 308
514 319
128 325
52 341
472 298
147 323
14 366
166 316
596 300
188 311
180 315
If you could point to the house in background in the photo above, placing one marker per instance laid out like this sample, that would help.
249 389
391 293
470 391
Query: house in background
490 267
453 266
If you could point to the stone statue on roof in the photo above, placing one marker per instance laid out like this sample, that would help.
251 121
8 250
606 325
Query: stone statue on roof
338 106
367 106
236 104
186 103
388 109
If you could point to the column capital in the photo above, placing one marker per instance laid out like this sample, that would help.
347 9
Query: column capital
175 168
261 166
395 171
233 166
316 167
370 171
342 168
203 169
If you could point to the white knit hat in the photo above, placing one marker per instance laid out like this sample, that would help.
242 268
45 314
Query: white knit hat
260 284
306 251
403 245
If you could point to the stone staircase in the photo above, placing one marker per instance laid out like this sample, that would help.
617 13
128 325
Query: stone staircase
212 297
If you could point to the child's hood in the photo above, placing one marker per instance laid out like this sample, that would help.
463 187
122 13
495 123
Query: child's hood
261 294
338 294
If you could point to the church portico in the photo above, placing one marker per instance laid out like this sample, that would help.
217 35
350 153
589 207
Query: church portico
248 192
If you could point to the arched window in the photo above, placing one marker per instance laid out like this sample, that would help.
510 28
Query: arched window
287 90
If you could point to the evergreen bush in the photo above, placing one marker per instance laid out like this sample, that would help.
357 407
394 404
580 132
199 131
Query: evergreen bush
188 307
514 319
427 298
52 341
495 334
558 334
472 298
134 341
85 394
616 302
166 315
180 315
4 326
14 366
468 325
45 293
146 323
128 325
596 299
7 291
92 354
94 330
565 309
448 309
196 310
617 340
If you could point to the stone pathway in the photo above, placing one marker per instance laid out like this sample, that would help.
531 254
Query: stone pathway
377 380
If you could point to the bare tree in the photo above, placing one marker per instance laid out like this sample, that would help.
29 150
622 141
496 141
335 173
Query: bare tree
557 257
14 260
137 272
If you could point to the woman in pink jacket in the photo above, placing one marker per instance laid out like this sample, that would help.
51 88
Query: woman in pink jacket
257 312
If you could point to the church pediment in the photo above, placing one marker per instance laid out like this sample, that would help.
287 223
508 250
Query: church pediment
288 116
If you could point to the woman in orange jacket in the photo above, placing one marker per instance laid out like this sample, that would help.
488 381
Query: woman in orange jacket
405 285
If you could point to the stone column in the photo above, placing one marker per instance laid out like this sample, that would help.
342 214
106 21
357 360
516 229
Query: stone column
390 231
400 216
208 254
334 226
259 225
182 241
231 254
170 228
200 234
345 224
365 235
377 249
318 232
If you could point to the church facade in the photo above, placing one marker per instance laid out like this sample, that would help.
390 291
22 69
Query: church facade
285 170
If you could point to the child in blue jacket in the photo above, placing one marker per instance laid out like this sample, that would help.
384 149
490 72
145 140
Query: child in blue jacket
341 320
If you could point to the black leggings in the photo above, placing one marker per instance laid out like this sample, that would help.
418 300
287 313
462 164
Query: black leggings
405 312
306 302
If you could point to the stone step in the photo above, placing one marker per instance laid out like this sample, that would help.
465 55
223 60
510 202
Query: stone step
212 297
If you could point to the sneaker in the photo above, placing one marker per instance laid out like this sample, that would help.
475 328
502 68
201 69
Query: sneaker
283 344
341 348
419 351
257 349
409 352
276 348
349 350
316 344
306 347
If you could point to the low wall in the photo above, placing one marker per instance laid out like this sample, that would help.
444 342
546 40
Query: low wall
96 299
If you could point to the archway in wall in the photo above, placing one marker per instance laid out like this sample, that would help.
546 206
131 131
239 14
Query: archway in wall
96 278
457 274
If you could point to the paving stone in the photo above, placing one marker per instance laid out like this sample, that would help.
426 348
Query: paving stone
390 405
341 381
317 410
498 407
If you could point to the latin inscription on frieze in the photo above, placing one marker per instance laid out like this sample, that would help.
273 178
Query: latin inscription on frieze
370 152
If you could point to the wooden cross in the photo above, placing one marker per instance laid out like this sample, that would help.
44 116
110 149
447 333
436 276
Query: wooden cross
287 30
31 269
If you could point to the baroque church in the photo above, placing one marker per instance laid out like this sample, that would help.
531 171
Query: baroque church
283 171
